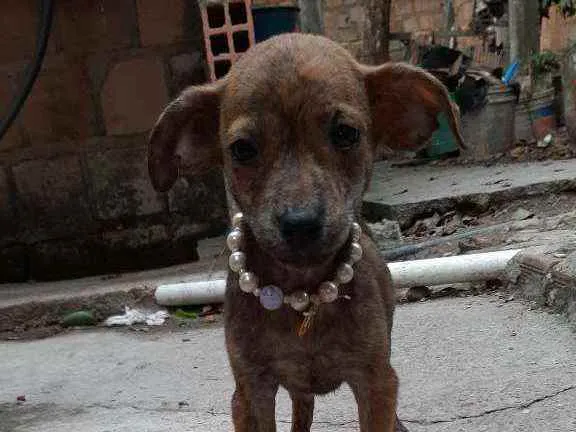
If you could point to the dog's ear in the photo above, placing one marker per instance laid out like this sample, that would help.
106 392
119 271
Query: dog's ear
405 102
185 137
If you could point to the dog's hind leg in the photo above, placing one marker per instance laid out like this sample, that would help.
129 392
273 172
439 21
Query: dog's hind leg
302 411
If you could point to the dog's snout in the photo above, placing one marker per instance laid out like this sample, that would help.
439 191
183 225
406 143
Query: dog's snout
301 224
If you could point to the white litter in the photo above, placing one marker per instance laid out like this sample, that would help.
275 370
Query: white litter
136 316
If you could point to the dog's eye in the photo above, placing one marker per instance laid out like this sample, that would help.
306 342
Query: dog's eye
244 150
345 137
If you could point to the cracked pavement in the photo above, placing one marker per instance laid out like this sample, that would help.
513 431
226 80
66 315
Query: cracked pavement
465 364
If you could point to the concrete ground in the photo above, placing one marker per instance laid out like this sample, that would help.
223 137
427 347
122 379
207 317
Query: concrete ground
469 364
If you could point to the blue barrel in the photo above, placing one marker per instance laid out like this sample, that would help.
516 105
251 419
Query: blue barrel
272 21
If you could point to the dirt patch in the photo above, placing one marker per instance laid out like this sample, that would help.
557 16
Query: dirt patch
36 320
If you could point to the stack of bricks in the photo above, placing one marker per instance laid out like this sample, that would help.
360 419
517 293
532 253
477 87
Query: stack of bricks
75 197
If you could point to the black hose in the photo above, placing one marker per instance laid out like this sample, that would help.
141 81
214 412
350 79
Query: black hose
31 73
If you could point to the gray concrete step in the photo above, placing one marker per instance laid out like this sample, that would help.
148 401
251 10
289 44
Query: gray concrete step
405 192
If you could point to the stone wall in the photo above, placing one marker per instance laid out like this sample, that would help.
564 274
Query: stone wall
75 197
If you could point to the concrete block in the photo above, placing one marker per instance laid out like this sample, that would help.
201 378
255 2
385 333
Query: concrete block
561 289
141 236
60 105
66 259
18 22
168 21
50 196
119 184
133 95
145 247
202 199
14 263
6 210
86 26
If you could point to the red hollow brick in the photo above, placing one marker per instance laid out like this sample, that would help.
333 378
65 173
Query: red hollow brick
133 95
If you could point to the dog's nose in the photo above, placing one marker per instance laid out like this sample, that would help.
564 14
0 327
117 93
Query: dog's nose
301 225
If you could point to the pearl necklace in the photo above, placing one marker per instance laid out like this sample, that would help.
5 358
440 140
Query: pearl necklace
272 297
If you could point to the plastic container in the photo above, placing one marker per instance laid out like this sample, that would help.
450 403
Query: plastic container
536 116
272 21
490 130
443 141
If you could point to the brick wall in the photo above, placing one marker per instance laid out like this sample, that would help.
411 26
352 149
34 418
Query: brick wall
346 20
557 33
74 191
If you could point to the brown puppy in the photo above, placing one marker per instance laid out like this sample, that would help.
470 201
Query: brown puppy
295 125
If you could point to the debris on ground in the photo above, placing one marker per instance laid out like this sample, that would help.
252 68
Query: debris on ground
184 314
386 233
418 293
133 316
79 319
522 214
521 223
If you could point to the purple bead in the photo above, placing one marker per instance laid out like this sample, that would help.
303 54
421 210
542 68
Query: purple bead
271 297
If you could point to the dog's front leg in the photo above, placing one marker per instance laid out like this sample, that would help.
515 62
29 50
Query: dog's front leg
254 406
376 397
302 411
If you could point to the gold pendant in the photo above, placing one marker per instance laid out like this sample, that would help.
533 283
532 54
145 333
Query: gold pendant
307 321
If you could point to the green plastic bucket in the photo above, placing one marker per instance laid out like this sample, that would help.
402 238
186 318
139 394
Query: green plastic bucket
443 140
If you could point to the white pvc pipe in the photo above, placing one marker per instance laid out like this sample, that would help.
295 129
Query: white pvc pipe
191 293
429 272
454 269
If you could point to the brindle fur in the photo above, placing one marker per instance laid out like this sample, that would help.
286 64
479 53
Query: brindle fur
283 94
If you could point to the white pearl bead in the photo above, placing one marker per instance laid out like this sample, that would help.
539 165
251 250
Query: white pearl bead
234 239
345 273
237 261
356 231
355 252
328 292
248 282
299 301
237 220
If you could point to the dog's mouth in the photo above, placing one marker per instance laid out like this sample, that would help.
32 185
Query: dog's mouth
303 251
